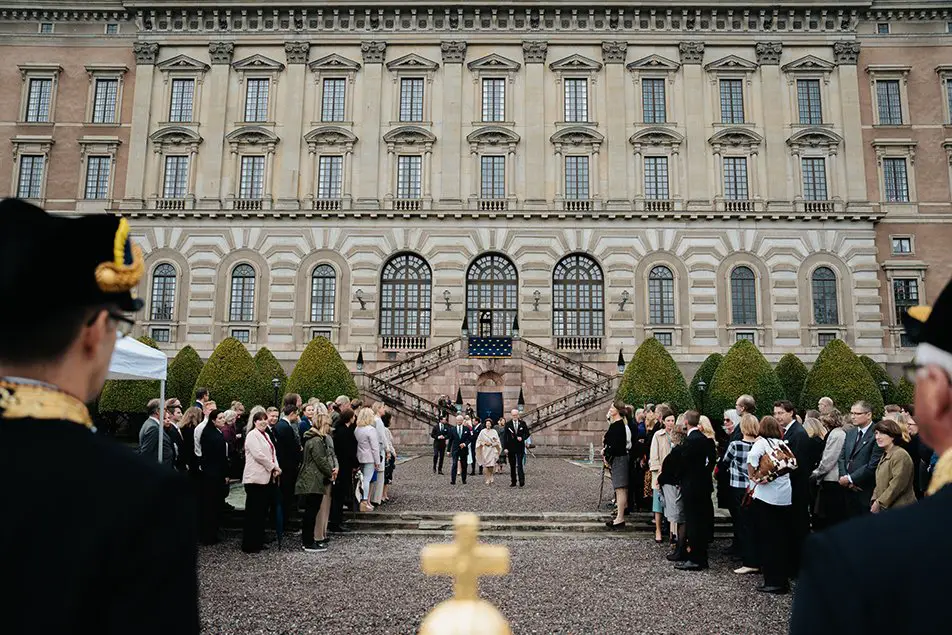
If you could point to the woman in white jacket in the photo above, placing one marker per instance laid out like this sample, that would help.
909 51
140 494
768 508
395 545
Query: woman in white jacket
831 499
261 467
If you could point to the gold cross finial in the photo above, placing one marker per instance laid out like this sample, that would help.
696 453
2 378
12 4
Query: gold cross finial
465 559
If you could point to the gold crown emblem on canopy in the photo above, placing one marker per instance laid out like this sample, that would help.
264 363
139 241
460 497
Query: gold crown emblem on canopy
465 560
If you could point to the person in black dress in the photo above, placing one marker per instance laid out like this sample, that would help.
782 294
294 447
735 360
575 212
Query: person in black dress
698 458
214 476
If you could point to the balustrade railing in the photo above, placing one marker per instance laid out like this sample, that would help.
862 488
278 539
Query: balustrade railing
659 205
248 205
819 207
578 205
569 405
578 343
411 404
170 204
421 362
407 204
565 366
493 204
326 204
404 342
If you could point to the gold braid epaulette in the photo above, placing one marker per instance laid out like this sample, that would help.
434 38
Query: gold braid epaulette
31 401
941 473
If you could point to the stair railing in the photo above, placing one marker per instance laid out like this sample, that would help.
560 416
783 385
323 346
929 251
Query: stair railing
569 405
562 364
421 362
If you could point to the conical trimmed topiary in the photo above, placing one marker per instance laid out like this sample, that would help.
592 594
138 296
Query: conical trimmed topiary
879 375
792 374
706 372
183 372
905 393
744 371
230 375
268 368
321 373
652 376
129 396
840 375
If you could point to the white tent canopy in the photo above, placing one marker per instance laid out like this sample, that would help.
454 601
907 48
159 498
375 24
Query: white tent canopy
132 359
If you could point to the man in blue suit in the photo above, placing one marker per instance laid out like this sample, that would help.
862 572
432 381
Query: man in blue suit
460 438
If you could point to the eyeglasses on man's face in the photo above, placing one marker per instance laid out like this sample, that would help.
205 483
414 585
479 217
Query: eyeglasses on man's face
124 325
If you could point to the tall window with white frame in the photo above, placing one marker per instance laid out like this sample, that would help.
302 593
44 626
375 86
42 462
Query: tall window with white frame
576 100
656 178
576 178
30 182
732 100
411 99
905 295
329 177
252 177
895 181
256 99
332 103
409 176
176 177
735 179
493 177
163 293
660 296
825 306
38 100
181 102
494 99
104 100
743 296
808 102
405 290
323 293
889 102
97 177
653 100
814 178
242 308
578 299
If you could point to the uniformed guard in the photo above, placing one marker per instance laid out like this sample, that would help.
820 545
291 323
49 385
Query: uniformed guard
93 539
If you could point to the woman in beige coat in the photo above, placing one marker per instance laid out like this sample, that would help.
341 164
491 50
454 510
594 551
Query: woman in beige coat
894 472
488 449
660 449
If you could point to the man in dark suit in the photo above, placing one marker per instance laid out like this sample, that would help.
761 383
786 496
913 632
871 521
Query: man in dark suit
919 549
130 531
460 437
858 460
698 458
288 450
438 434
798 441
516 434
201 398
149 437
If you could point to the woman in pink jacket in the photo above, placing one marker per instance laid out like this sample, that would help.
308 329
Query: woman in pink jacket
261 468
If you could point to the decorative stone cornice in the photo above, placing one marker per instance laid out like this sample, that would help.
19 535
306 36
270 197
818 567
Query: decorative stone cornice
145 52
535 52
768 53
221 52
453 52
374 52
297 52
846 52
614 52
691 52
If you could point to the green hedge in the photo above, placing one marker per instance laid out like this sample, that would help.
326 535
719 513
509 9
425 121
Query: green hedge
268 368
321 373
183 373
840 375
905 393
879 375
792 374
652 376
706 372
230 374
129 396
744 371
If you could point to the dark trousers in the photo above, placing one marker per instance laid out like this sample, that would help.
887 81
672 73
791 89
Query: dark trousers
699 515
800 528
744 529
439 453
257 502
857 503
772 531
211 508
516 465
288 499
312 505
341 494
459 459
831 505
472 458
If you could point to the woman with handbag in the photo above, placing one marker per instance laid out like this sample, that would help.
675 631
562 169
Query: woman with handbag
261 468
769 464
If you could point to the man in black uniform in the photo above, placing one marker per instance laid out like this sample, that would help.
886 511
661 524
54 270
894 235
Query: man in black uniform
110 535
438 434
888 572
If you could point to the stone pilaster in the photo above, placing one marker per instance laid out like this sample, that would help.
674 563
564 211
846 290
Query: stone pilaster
846 54
699 189
776 152
450 134
369 127
615 193
146 54
288 174
215 99
535 117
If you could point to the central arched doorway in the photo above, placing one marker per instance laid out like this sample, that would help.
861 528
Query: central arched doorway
492 295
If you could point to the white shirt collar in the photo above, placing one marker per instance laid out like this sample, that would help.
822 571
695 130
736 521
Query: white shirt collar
787 427
862 431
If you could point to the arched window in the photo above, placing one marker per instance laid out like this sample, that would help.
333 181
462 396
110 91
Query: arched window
492 288
578 298
743 296
242 294
405 296
660 296
163 292
323 293
825 310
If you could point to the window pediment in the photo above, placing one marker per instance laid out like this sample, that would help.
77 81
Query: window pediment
493 136
494 62
576 63
29 144
576 136
183 63
251 135
175 135
257 63
654 63
656 136
731 63
334 62
808 64
409 135
412 62
40 69
814 138
330 135
735 137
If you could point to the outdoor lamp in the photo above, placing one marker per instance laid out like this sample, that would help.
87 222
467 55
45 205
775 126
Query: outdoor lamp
446 298
515 328
275 383
701 385
521 403
464 330
459 401
621 362
360 359
883 387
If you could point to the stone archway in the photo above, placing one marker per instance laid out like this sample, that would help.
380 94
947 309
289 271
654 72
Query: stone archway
489 395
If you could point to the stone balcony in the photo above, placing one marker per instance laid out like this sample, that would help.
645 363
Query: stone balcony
251 204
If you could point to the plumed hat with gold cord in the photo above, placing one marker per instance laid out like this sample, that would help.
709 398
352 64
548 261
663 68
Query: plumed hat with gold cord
49 261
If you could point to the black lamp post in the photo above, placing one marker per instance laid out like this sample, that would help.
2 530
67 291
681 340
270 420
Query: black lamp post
701 387
515 328
521 403
360 359
621 362
275 383
464 330
883 387
459 401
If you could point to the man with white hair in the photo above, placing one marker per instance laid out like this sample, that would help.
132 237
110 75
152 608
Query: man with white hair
825 405
907 544
516 434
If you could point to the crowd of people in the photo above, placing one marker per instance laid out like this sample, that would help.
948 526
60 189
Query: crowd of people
779 476
317 459
488 446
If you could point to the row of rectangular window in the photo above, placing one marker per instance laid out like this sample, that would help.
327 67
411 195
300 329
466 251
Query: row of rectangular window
32 168
111 28
40 98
